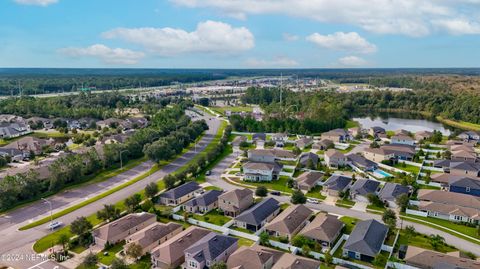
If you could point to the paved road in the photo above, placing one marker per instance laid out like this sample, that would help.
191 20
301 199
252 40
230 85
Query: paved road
216 180
13 241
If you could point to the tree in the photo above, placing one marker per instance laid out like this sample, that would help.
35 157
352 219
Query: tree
436 241
298 197
374 200
133 202
118 264
300 240
80 226
134 250
380 260
296 151
306 250
261 191
63 240
264 239
151 190
109 213
291 183
218 265
328 258
170 181
402 201
410 231
147 205
390 218
90 260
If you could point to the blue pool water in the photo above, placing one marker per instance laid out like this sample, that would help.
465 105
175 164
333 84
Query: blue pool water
382 173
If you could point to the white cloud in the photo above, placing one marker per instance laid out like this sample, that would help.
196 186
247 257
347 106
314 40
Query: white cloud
209 37
106 54
459 26
352 61
290 37
43 3
351 42
406 17
278 62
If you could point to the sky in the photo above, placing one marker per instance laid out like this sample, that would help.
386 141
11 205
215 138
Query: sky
239 33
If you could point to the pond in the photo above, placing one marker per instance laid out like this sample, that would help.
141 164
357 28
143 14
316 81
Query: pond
396 121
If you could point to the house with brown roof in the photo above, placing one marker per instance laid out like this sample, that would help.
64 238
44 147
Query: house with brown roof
457 207
324 229
203 203
335 158
336 135
234 202
304 142
403 140
289 222
210 249
153 235
170 254
29 144
291 261
118 230
308 180
254 257
429 259
423 135
323 144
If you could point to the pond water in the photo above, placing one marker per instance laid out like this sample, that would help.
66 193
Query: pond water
396 121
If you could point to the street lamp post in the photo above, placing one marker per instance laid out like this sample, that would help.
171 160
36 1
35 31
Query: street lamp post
121 161
51 215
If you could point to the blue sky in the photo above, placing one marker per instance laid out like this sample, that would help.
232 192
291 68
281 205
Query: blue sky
239 33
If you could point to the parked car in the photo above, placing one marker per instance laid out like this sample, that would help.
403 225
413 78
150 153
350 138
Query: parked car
277 193
312 200
54 225
208 173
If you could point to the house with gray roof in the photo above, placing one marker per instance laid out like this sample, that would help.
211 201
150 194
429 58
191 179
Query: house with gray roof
180 194
323 144
366 240
233 202
468 169
361 162
203 203
308 180
118 230
261 171
13 129
465 185
337 135
335 159
391 191
289 222
304 142
259 137
211 249
361 188
15 155
153 235
336 184
307 158
257 216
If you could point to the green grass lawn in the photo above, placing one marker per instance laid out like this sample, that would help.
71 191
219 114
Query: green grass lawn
288 170
376 208
244 242
241 229
422 241
292 163
222 109
347 150
212 217
351 124
278 185
143 263
407 168
107 259
78 249
349 223
315 193
209 188
298 173
345 203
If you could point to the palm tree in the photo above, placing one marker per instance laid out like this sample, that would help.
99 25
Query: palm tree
436 241
63 240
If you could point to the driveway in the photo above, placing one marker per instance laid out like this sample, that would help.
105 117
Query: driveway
360 206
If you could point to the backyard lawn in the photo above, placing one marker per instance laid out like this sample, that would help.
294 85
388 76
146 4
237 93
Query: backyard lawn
278 185
422 241
107 259
211 217
407 168
315 193
349 223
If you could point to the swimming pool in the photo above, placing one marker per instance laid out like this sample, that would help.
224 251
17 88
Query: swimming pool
380 173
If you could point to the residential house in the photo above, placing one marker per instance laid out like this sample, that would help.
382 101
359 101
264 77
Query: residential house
361 162
29 144
180 194
234 202
257 216
402 140
452 206
15 155
391 191
254 257
210 249
402 132
289 222
110 123
257 171
153 235
336 184
170 254
366 240
469 136
324 229
465 185
336 135
335 159
238 140
291 261
308 158
423 135
323 144
203 203
280 139
390 152
135 123
259 137
13 129
115 139
39 123
429 259
467 169
308 180
463 155
376 130
270 155
304 142
355 131
361 188
118 230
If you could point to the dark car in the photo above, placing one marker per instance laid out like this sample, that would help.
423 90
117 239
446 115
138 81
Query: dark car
277 193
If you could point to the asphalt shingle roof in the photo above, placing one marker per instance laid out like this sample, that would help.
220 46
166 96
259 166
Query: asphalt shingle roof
259 212
367 238
181 190
205 199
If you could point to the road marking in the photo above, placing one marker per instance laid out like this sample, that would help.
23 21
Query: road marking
38 264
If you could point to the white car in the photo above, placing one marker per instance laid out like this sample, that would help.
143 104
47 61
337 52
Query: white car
54 225
313 201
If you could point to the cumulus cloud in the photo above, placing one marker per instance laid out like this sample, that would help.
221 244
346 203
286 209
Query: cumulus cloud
352 61
208 37
351 42
290 37
459 26
407 17
105 54
278 62
43 3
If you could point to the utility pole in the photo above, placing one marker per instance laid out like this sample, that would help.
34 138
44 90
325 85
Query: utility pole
51 215
121 161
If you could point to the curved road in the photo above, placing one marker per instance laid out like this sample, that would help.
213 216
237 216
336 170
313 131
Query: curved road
13 241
